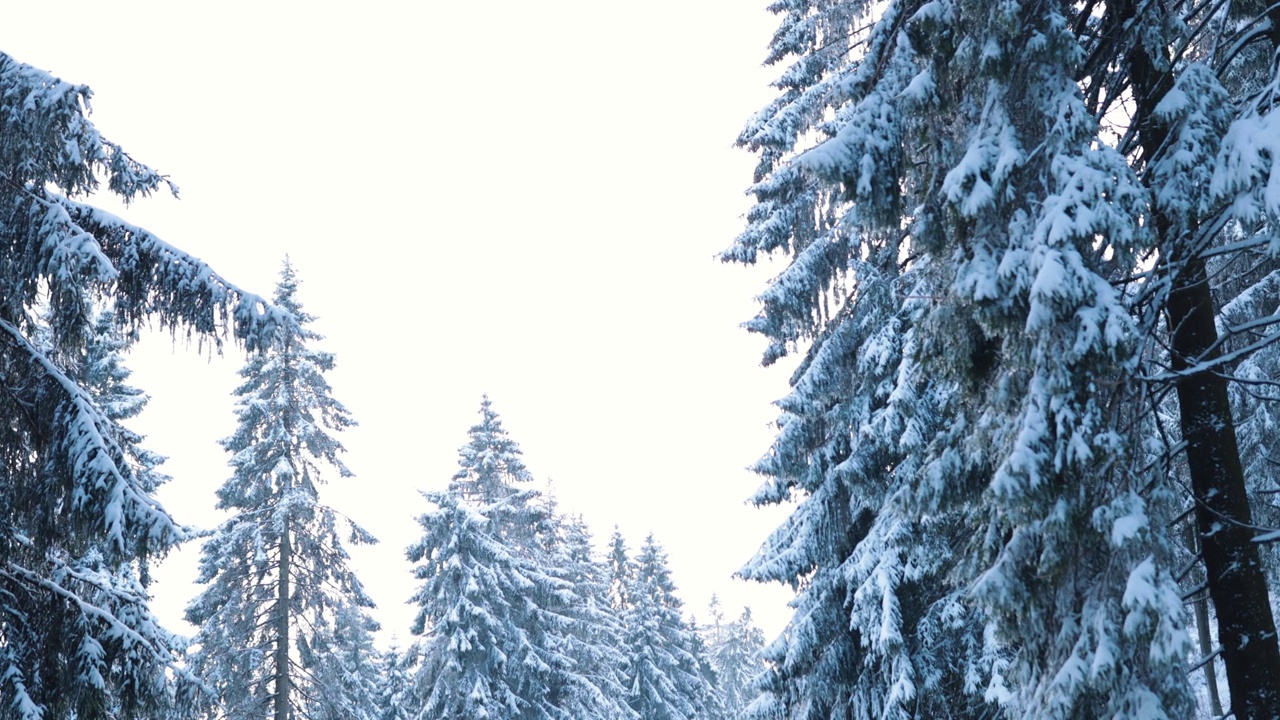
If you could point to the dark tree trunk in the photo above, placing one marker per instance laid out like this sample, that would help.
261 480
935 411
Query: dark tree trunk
1234 575
1237 585
284 684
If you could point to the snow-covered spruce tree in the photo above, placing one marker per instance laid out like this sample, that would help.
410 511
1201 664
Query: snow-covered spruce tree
1248 295
874 598
277 570
736 652
345 669
881 628
72 494
621 571
484 644
498 622
1202 79
594 638
974 523
669 676
490 465
396 699
713 633
105 377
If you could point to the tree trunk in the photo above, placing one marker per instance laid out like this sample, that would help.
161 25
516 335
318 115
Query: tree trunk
1237 585
1234 575
284 685
1201 606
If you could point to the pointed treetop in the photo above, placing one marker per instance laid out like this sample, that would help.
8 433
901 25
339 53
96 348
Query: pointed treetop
651 567
620 571
104 370
489 465
286 292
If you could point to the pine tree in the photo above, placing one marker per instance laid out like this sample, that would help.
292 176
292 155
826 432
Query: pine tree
621 571
977 525
277 570
736 652
1199 126
499 624
594 640
345 668
669 677
395 698
75 498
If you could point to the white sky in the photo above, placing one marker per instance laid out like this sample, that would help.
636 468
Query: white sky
517 198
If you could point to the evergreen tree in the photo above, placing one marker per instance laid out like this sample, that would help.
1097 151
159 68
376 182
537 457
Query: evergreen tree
105 377
395 697
1199 125
669 677
621 571
483 625
977 527
735 650
76 512
490 465
714 632
500 626
594 641
345 673
277 570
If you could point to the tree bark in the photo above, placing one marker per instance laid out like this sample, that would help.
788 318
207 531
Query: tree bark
284 684
1234 575
1237 585
1201 607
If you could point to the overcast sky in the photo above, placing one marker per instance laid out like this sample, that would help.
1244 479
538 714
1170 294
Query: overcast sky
524 199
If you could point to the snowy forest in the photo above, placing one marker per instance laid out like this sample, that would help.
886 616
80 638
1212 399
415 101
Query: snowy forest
1027 281
520 614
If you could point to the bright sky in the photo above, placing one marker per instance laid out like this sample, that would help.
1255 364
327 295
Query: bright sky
524 199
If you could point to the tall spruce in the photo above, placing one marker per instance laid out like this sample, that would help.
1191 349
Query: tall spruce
621 571
669 676
396 699
491 464
500 625
345 669
1201 128
594 639
736 652
76 507
121 585
979 528
277 571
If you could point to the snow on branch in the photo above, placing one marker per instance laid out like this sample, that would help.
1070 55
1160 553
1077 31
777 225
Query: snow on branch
114 626
155 277
48 130
103 481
